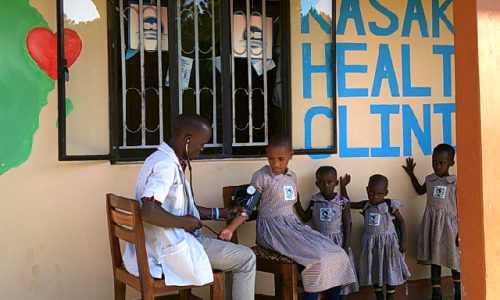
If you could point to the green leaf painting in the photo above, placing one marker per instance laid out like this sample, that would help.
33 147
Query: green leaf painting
24 87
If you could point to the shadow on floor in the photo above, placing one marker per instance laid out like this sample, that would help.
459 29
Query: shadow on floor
417 290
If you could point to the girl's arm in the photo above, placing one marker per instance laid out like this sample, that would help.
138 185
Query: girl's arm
400 222
227 233
346 225
410 166
344 181
357 205
305 215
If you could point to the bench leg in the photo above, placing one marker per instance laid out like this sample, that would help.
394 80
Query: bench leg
287 289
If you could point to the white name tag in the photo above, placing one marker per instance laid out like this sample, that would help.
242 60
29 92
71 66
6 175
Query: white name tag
373 219
440 192
289 193
325 214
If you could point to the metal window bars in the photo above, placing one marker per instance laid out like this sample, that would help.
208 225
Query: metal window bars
189 19
142 90
205 86
249 91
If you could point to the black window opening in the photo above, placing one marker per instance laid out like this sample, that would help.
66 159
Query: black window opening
245 97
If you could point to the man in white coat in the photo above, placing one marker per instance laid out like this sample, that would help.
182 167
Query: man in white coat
176 247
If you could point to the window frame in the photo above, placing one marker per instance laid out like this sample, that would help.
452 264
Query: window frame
334 149
62 77
115 155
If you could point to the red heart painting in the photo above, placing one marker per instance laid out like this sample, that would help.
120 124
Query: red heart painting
42 46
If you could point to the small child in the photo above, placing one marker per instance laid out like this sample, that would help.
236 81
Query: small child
438 235
381 259
330 214
326 265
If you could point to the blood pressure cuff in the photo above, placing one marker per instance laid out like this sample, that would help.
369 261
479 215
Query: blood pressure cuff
247 196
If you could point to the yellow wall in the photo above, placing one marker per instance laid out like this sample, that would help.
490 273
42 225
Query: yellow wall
55 243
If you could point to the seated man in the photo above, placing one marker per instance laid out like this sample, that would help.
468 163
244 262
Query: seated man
176 247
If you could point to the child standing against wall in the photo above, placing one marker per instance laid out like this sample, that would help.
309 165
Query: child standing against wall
438 235
330 214
381 261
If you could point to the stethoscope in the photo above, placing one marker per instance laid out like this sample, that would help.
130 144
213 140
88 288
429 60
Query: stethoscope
190 168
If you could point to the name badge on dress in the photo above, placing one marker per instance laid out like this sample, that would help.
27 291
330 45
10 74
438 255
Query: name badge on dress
289 193
325 214
373 219
440 192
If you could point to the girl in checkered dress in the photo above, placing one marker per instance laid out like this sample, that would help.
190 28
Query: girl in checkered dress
381 260
330 214
326 265
438 234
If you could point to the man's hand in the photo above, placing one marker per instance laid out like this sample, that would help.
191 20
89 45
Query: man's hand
191 223
226 234
410 166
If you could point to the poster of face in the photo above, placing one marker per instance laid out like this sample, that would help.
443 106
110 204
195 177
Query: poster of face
151 27
254 36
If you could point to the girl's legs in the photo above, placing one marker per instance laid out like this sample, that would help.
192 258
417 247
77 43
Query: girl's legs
379 292
309 296
456 282
436 282
333 293
391 292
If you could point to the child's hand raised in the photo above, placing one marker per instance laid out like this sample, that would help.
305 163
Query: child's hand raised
345 180
226 234
410 166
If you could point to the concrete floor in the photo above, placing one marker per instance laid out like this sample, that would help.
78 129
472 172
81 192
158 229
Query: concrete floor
417 290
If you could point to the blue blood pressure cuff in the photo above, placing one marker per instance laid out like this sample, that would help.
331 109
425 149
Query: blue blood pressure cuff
247 196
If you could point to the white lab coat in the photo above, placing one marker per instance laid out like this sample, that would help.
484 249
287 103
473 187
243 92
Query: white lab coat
172 252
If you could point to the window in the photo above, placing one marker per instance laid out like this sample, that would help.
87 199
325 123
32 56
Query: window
225 60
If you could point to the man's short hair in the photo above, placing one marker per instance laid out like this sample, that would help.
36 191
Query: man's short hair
188 124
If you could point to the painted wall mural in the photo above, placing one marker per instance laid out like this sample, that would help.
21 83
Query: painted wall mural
24 87
395 72
27 73
42 46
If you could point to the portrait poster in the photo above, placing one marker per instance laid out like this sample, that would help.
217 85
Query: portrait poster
255 38
151 27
